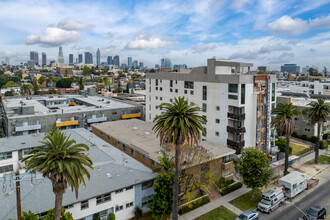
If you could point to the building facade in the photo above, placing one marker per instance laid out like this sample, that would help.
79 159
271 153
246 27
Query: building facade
98 57
70 59
80 58
115 61
60 55
292 69
263 68
236 105
88 58
109 60
34 58
44 59
129 62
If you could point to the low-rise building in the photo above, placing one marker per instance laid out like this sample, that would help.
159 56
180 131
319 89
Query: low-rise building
118 183
21 116
143 145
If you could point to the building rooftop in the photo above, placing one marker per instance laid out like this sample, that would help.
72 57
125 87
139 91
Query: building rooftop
90 103
112 170
299 101
294 177
144 140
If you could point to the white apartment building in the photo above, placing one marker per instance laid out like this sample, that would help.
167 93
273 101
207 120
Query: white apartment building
118 183
237 105
317 87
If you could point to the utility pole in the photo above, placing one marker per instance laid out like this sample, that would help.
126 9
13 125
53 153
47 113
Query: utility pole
18 196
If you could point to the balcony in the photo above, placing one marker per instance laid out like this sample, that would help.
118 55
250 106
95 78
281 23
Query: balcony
28 127
239 117
96 120
66 123
236 130
235 144
228 165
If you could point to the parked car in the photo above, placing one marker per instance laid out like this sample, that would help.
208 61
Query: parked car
315 212
248 215
271 199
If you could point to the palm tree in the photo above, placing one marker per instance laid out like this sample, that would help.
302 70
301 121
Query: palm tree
318 112
25 89
284 123
179 123
62 161
42 80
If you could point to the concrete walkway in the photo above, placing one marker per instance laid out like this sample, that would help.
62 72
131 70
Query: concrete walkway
223 201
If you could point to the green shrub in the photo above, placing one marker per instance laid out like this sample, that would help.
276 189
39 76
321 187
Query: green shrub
295 134
323 144
231 188
303 152
223 183
195 205
281 144
138 212
112 216
313 139
305 137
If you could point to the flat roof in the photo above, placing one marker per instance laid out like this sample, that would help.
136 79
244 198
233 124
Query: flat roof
302 102
293 177
108 161
40 109
144 140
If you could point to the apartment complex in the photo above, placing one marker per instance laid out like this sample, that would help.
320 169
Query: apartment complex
236 104
118 183
313 87
144 146
21 116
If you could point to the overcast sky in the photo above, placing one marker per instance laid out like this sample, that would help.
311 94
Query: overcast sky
264 32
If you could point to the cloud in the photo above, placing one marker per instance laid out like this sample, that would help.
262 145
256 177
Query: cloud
142 42
287 25
322 22
201 47
72 25
239 3
274 47
53 37
249 54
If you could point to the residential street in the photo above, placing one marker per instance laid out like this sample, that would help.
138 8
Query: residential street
320 195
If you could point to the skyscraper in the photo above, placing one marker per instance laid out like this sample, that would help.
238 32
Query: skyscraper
34 58
129 62
98 57
88 58
43 59
135 64
165 63
60 55
141 65
109 60
71 59
115 61
80 58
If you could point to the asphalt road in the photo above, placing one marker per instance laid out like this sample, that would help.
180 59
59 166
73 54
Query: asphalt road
320 195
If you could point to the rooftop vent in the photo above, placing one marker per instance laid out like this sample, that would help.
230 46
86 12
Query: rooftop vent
134 128
109 175
147 133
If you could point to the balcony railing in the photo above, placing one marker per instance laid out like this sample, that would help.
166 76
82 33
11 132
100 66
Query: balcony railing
28 127
235 144
95 120
236 130
228 165
239 117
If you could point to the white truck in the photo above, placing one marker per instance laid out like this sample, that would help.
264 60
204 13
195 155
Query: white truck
293 183
271 199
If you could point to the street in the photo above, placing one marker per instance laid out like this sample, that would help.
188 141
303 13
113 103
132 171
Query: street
320 195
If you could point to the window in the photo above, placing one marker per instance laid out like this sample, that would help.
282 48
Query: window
128 205
188 84
191 92
160 81
217 133
26 151
161 88
104 198
217 120
226 159
273 91
204 107
149 81
147 184
150 89
156 82
119 191
176 81
124 147
171 100
156 97
68 206
119 208
156 88
114 113
234 97
171 90
129 188
101 134
233 88
204 93
149 107
144 157
185 91
109 137
132 152
176 90
84 205
205 120
7 168
116 143
243 94
6 156
146 200
161 98
171 83
217 108
153 162
156 106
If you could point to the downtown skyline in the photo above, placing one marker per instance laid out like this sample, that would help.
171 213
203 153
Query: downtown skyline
262 32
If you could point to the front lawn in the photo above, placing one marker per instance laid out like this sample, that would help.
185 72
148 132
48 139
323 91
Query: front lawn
323 159
296 148
244 202
220 213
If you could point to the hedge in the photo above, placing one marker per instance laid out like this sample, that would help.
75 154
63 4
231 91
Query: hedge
323 144
231 188
223 183
195 205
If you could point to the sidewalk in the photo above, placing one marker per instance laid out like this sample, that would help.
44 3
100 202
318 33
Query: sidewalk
223 201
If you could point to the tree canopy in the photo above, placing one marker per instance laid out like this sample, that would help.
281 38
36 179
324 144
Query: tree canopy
64 83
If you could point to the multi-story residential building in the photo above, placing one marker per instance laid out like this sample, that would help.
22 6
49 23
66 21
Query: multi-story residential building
263 68
80 58
118 183
109 60
115 61
144 145
44 59
98 57
60 55
135 64
22 116
292 69
301 124
70 59
237 105
88 58
129 62
317 87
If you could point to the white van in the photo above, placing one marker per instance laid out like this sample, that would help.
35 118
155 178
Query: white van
293 183
271 199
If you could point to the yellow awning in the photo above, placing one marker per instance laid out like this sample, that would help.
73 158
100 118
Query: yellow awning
131 116
66 123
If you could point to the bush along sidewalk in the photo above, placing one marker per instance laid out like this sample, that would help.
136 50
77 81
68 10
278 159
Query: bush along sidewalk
323 143
231 188
194 205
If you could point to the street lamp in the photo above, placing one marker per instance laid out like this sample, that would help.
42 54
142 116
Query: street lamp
287 202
